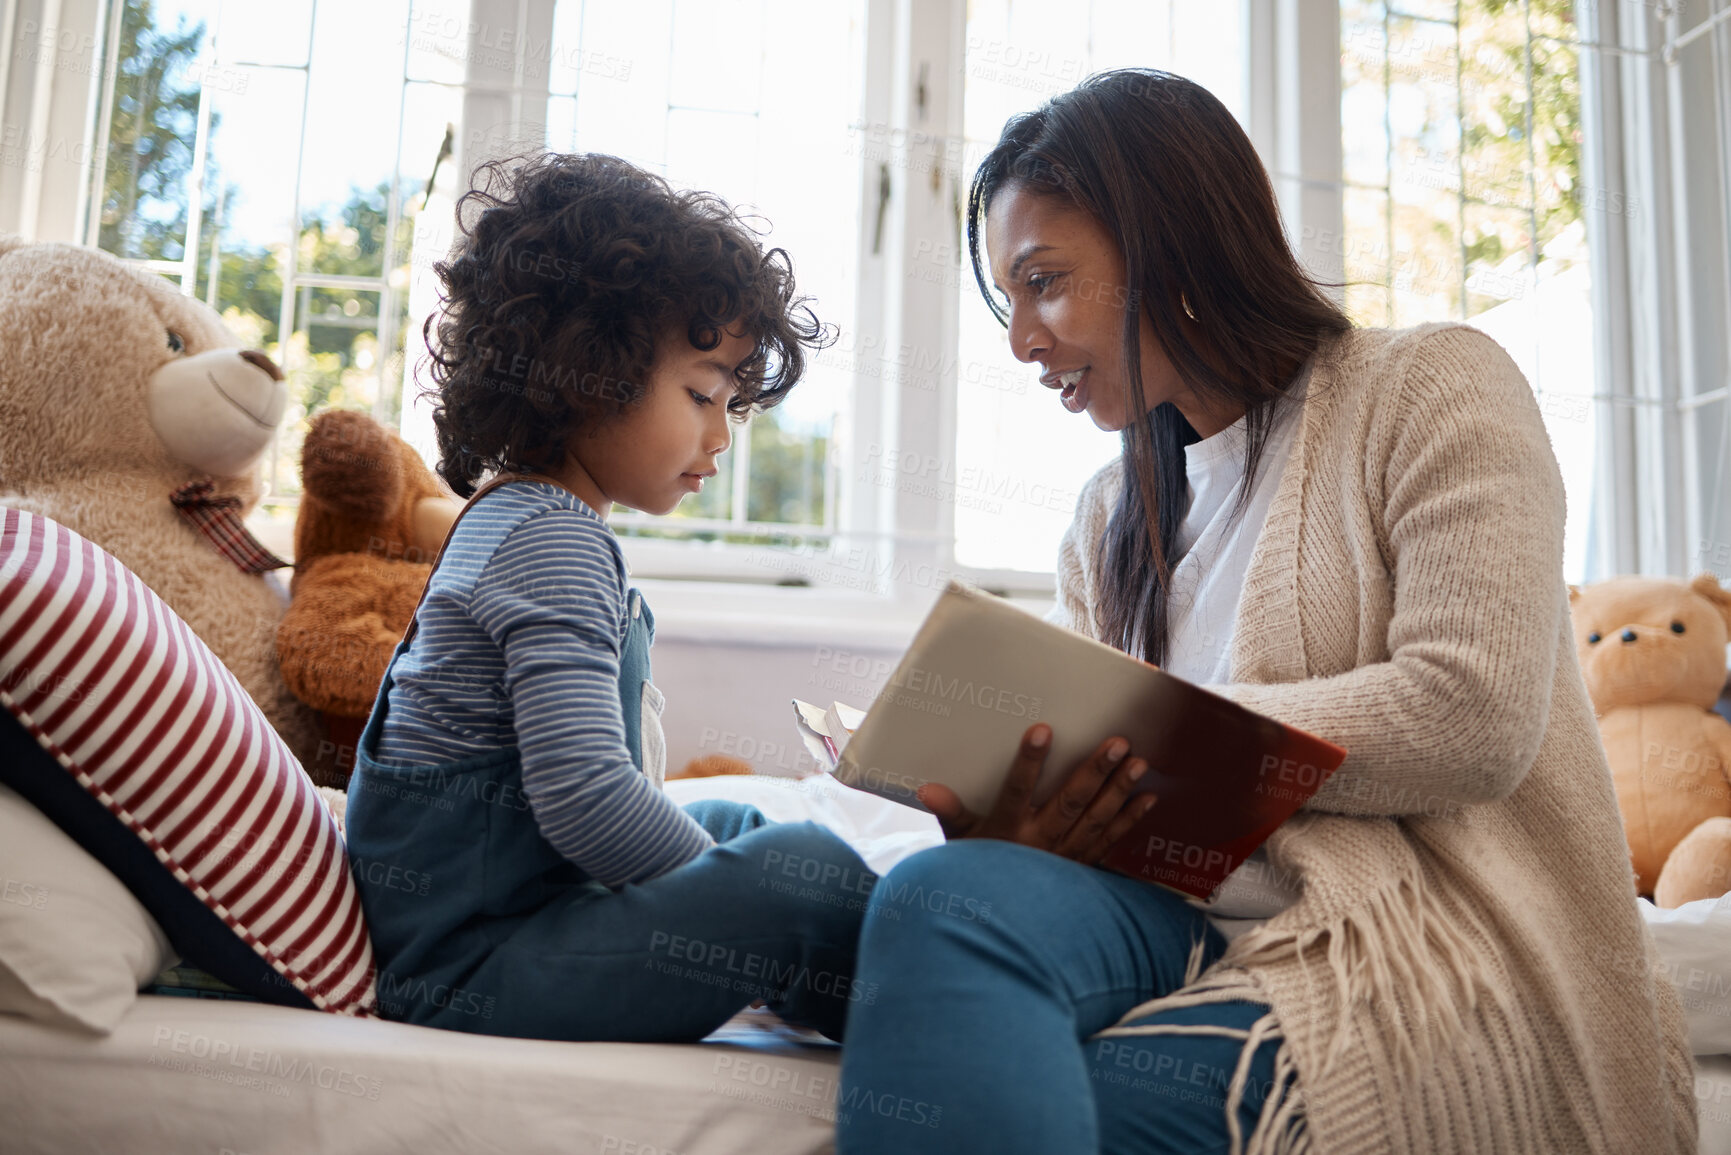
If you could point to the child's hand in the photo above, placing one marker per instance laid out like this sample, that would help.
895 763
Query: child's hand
1089 813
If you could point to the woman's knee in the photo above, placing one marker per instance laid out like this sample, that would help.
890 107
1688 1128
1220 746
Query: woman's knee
966 878
952 893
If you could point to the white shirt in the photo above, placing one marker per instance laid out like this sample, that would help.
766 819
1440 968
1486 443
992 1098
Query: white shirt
1214 545
1215 542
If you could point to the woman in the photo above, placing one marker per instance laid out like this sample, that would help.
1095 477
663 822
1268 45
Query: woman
1357 532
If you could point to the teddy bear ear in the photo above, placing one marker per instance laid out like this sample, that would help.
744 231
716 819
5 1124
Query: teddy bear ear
1574 594
1707 585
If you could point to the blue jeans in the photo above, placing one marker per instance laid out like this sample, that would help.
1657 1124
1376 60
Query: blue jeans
771 912
993 965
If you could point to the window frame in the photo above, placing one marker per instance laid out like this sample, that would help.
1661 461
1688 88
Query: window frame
902 545
883 544
1654 508
390 376
1660 345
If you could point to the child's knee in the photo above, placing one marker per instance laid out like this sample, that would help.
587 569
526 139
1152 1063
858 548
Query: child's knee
810 864
802 837
724 819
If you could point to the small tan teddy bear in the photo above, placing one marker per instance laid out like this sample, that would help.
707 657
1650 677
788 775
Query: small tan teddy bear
1653 654
129 415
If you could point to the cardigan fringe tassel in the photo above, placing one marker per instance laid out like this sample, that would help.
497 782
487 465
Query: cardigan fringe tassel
1280 1128
1397 951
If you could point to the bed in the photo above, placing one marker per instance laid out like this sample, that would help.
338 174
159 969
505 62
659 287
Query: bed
180 1075
1713 1100
1694 945
240 1078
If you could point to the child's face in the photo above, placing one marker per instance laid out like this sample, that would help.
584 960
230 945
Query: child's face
665 446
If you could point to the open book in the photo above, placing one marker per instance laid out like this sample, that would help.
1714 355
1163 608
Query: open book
980 671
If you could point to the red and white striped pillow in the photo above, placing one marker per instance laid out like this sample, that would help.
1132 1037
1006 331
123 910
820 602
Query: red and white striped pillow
135 708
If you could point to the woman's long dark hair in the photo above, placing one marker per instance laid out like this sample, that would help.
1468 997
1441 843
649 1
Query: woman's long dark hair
1168 172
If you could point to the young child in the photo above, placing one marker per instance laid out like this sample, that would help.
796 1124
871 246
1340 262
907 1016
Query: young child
521 870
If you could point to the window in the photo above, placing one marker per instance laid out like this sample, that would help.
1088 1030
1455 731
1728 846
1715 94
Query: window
1557 173
750 99
1681 352
215 103
1464 197
280 163
274 161
1019 459
212 100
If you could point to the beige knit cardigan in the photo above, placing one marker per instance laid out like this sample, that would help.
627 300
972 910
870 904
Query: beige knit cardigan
1465 970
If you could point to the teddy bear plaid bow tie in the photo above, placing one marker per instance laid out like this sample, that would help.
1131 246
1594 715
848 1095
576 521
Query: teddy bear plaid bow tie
218 518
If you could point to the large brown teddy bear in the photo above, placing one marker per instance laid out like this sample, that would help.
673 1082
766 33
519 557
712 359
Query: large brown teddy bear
372 518
116 392
1653 653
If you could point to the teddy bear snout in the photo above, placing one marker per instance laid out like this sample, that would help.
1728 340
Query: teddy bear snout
216 411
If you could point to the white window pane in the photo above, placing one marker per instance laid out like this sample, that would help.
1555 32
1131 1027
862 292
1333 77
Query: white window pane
561 123
718 54
622 91
1140 35
1443 10
438 35
565 56
1020 457
1208 47
714 151
163 52
251 125
349 155
1364 96
1485 150
274 33
755 101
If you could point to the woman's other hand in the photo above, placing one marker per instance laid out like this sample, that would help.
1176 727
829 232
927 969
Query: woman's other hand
1089 813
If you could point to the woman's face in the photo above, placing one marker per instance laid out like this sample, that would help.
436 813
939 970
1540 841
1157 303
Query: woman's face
1063 277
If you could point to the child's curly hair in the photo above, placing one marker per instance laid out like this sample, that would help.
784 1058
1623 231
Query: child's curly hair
554 301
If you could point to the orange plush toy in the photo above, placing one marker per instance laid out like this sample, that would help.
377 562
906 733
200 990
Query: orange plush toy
371 521
1653 654
713 766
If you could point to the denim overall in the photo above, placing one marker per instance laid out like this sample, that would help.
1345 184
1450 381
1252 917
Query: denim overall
479 924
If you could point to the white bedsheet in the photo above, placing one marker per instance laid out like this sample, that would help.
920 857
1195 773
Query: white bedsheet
1694 945
882 832
181 1076
1713 1102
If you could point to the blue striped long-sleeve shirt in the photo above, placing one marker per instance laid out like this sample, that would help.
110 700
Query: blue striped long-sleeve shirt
518 645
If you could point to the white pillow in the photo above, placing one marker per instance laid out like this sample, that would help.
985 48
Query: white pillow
75 945
1694 944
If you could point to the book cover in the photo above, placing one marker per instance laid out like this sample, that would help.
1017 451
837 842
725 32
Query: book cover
980 671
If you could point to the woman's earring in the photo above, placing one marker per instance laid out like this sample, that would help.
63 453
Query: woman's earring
1185 302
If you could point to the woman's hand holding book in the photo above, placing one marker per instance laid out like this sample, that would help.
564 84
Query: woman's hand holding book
1090 812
